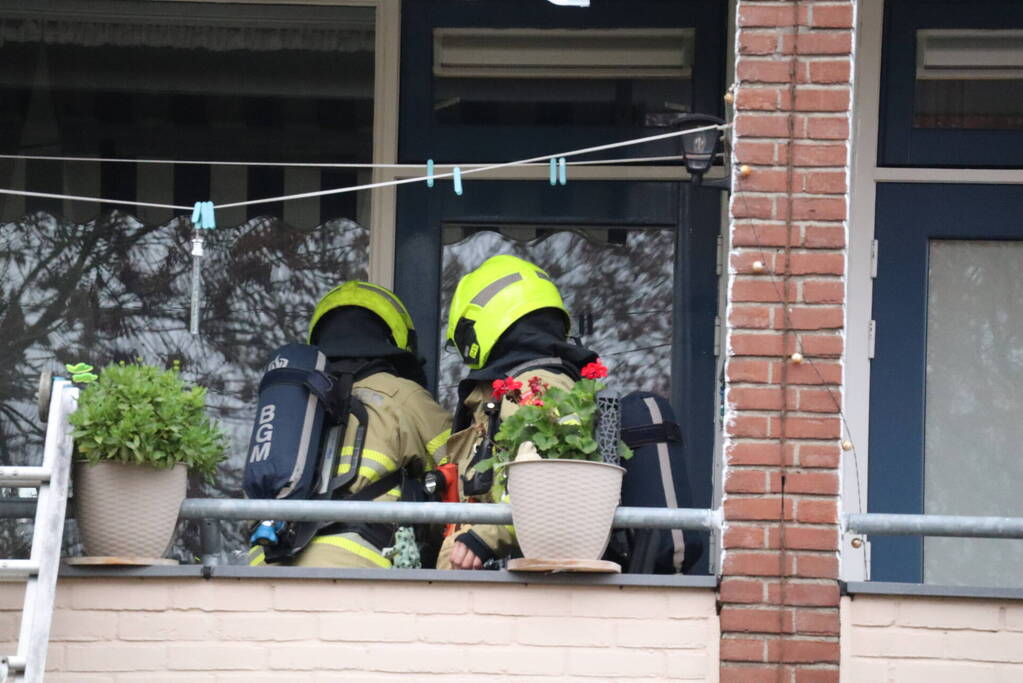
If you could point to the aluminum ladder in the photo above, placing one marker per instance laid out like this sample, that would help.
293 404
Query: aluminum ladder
40 570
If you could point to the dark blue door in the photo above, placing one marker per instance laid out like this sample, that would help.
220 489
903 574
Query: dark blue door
946 380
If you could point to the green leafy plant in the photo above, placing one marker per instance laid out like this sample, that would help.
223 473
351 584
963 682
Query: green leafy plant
141 414
561 424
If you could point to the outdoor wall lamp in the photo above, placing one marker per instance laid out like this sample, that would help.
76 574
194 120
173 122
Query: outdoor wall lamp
699 149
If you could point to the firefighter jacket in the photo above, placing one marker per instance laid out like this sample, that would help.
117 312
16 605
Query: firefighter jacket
487 541
406 429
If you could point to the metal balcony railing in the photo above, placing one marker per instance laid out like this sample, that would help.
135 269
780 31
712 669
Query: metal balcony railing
970 526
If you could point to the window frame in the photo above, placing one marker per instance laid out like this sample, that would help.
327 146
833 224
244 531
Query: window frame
899 143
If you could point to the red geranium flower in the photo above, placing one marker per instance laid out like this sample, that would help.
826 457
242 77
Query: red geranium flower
531 399
594 370
537 385
504 386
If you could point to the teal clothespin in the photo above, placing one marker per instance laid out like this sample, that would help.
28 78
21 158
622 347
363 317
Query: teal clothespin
562 172
458 180
429 172
203 216
554 171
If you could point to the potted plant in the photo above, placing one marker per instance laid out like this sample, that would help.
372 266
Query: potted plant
138 429
562 486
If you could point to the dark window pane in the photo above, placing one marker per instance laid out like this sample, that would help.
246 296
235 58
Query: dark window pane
162 80
530 77
969 79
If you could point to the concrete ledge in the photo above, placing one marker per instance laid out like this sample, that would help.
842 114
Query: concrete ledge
414 575
854 588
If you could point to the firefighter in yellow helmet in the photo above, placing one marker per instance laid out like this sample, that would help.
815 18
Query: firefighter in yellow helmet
507 318
406 428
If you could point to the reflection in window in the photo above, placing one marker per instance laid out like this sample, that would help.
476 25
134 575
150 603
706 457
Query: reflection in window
969 79
531 77
617 284
114 289
166 80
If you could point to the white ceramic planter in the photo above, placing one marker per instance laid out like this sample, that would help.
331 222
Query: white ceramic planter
127 510
563 509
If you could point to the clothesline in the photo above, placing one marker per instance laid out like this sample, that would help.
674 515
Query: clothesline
304 164
457 172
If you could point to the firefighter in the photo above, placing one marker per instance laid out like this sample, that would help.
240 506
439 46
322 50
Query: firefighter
507 318
406 429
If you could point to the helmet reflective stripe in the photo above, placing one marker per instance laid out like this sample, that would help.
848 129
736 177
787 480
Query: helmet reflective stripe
491 290
402 311
378 300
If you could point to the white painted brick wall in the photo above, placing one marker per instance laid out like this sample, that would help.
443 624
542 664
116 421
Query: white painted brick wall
901 639
253 630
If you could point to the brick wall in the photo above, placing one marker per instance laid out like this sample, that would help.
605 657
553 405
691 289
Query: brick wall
155 630
931 640
779 592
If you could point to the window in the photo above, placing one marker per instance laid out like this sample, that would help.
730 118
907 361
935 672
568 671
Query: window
952 84
479 79
969 79
637 78
634 252
183 81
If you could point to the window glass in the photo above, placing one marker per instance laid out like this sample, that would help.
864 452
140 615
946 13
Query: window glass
617 284
951 88
182 81
188 82
973 430
969 79
519 77
969 104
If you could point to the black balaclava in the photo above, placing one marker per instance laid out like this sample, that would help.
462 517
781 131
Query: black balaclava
540 334
353 332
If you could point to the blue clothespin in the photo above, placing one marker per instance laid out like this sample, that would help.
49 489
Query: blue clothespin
554 171
562 172
429 172
458 180
203 216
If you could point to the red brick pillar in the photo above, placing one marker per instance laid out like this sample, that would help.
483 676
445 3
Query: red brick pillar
779 586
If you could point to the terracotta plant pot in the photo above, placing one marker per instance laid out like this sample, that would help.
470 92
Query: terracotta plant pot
126 510
563 509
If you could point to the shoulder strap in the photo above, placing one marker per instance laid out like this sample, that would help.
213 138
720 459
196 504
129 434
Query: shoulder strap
661 432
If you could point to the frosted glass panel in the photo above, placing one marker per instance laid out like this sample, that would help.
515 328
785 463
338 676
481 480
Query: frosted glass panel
113 289
974 423
629 326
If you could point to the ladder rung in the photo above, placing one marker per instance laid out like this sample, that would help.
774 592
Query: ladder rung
26 476
17 570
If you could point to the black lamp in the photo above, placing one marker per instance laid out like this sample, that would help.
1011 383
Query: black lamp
698 149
